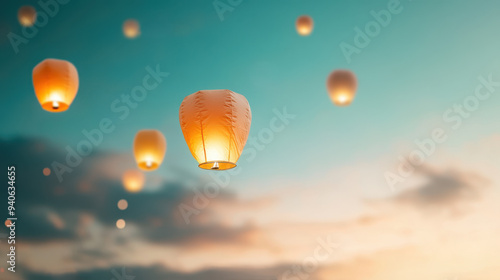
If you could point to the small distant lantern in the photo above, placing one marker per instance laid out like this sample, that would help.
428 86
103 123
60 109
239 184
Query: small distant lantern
342 86
215 124
133 180
304 25
56 84
131 28
26 16
149 149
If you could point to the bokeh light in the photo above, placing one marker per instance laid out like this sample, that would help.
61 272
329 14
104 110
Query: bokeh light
120 224
122 204
46 171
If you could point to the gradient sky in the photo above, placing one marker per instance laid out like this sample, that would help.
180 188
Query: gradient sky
328 163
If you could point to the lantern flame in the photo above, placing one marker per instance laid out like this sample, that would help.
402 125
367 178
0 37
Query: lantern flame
216 165
55 105
342 98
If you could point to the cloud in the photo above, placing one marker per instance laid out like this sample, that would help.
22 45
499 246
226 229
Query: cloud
443 188
57 211
159 272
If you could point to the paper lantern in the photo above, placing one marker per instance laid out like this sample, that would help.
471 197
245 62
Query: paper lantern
131 28
56 84
215 124
149 149
342 86
304 25
133 180
26 16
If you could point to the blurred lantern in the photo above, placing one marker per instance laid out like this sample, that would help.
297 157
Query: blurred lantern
131 28
215 124
56 84
149 149
26 15
122 204
304 25
342 85
133 180
46 171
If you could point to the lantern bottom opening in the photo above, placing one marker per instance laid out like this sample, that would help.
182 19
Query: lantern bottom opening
56 108
217 165
148 165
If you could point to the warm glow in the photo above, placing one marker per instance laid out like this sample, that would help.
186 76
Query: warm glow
342 86
304 25
131 28
122 204
133 180
149 149
342 98
7 223
215 124
56 84
46 171
26 15
120 224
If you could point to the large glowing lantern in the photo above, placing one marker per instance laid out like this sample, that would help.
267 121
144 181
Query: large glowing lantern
131 28
56 83
215 124
26 15
149 149
304 25
133 180
342 86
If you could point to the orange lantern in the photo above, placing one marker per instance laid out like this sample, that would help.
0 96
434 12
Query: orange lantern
149 149
215 124
133 180
131 28
304 25
342 86
26 15
56 83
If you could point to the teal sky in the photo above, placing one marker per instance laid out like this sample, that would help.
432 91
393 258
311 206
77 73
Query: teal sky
424 61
